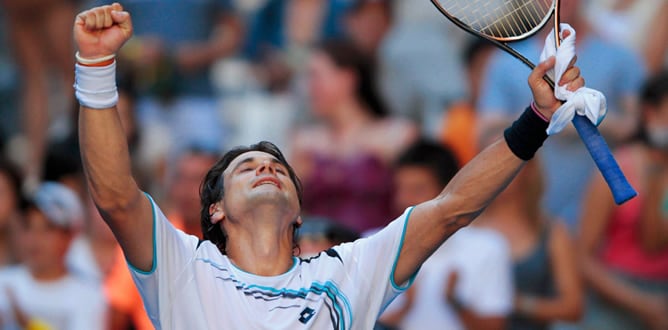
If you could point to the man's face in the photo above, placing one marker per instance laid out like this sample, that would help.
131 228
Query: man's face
414 185
44 245
256 178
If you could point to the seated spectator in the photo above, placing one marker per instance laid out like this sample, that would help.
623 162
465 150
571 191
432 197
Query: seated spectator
625 248
42 293
466 283
547 282
344 159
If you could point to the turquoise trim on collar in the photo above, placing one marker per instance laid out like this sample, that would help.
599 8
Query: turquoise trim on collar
155 248
396 258
294 265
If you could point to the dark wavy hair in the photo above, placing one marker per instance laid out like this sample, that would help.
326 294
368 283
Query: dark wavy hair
212 191
346 55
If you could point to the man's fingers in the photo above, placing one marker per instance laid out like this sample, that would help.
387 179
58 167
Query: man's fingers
541 70
108 21
566 33
122 18
90 20
104 17
576 84
570 74
99 18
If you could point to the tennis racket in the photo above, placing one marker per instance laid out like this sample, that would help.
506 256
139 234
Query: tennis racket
503 21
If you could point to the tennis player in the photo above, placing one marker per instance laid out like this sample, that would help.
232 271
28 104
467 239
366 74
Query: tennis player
245 275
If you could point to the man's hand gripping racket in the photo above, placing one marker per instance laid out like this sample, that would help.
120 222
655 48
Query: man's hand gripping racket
502 21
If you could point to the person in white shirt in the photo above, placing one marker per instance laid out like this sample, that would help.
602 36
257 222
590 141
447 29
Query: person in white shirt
467 282
244 275
42 294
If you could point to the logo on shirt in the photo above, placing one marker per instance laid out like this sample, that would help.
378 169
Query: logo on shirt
306 315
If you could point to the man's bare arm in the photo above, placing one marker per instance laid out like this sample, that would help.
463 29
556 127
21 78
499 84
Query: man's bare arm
474 187
100 32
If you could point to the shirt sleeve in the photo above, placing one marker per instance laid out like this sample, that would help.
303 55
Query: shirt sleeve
371 262
172 251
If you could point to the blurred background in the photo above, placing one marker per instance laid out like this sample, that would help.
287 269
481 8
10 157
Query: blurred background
377 104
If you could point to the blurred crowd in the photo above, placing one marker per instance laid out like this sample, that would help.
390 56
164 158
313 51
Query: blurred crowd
378 103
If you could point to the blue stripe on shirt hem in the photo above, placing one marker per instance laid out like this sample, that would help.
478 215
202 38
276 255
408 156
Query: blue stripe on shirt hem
396 258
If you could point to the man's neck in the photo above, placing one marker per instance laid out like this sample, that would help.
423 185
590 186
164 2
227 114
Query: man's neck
261 247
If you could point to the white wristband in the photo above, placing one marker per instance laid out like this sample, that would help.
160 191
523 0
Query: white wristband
95 86
88 61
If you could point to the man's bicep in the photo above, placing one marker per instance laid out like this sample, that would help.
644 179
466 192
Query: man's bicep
133 228
425 232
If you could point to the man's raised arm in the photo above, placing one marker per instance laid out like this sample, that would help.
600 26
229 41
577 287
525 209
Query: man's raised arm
482 179
99 33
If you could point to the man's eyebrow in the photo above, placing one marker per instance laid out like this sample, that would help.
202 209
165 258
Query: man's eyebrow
245 161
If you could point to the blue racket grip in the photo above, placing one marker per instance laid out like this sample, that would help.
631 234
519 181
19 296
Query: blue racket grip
621 189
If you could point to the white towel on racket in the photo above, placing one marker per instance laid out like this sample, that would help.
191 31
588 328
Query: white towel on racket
585 101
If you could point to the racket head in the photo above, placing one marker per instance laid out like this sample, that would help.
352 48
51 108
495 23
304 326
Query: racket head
500 20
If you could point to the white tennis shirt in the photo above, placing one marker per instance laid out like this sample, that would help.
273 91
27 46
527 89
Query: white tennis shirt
193 287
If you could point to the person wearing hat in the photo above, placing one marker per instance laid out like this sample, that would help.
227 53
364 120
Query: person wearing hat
41 293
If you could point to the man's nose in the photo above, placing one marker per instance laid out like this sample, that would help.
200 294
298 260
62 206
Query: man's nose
266 166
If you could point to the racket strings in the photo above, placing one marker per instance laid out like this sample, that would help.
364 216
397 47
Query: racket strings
500 18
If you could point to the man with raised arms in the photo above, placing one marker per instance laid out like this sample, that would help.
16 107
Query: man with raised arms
245 274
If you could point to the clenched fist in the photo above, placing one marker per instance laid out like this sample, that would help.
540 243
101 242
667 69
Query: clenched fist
102 31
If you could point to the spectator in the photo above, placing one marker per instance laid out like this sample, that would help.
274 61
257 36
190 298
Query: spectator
10 198
466 283
609 68
41 39
345 158
367 23
547 282
42 293
624 248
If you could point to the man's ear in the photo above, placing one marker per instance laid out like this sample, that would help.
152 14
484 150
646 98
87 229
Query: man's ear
216 212
299 221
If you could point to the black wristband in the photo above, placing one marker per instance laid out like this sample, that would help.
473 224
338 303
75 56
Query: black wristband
526 135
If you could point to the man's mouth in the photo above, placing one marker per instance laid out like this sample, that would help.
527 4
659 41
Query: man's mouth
268 180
